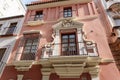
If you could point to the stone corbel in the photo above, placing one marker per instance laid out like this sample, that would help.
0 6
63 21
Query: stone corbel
20 77
95 78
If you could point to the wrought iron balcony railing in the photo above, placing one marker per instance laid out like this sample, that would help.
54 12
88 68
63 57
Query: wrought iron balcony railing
28 56
33 18
82 48
33 21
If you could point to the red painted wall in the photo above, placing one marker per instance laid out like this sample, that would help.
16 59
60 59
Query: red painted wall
82 11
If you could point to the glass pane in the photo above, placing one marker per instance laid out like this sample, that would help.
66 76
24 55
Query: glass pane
69 10
65 13
29 41
33 51
65 49
65 41
35 40
34 47
72 40
28 44
69 13
64 36
72 36
27 51
10 30
64 45
72 44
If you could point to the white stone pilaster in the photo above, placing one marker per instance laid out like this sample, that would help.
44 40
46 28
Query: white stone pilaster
82 49
56 50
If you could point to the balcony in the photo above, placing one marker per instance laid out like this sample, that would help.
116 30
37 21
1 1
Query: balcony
8 31
32 21
89 49
70 63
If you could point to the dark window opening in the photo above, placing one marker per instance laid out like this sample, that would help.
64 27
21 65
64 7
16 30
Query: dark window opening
39 15
11 28
69 44
67 12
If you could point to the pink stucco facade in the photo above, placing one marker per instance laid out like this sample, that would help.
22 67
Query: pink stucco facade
94 25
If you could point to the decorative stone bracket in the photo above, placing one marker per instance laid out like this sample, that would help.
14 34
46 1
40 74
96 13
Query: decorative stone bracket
23 65
19 77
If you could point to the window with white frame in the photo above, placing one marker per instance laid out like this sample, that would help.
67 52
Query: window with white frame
11 28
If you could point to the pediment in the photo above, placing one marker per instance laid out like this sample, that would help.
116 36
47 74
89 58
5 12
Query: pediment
67 24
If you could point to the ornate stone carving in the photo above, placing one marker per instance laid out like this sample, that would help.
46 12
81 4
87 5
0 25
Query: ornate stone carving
67 24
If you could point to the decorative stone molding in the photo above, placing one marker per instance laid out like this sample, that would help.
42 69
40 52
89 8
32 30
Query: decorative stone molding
107 60
112 2
70 66
56 3
23 65
32 32
35 23
67 24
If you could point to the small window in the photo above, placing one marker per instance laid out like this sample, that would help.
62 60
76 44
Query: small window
39 15
11 28
67 12
2 52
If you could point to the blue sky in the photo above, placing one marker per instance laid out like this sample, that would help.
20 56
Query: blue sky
27 1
